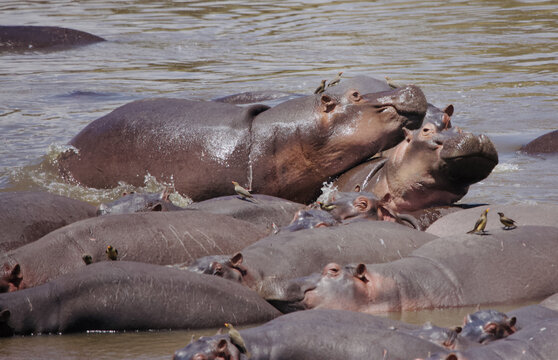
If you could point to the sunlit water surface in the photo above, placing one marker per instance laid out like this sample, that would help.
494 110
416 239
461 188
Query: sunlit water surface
496 61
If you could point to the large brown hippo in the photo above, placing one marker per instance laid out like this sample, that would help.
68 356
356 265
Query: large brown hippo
123 295
429 168
544 144
464 220
153 237
460 270
26 216
43 37
316 334
266 265
286 151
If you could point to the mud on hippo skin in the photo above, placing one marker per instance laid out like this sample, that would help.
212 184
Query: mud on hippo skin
454 271
285 151
429 168
42 37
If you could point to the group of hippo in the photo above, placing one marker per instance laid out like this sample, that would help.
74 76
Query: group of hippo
315 270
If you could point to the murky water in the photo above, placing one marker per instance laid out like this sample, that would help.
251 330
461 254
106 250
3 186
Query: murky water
496 61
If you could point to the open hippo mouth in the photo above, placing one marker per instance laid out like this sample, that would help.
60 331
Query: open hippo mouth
468 158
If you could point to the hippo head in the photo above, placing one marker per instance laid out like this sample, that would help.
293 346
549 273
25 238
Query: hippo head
230 268
361 205
310 219
432 167
485 326
210 348
343 288
440 118
134 202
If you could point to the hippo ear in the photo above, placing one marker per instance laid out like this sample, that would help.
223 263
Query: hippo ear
490 328
328 103
360 273
236 259
451 357
512 321
449 110
222 346
321 225
357 188
458 329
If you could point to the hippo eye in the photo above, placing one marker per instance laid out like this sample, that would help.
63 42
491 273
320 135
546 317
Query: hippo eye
355 96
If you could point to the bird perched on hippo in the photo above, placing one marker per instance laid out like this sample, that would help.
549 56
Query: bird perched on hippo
287 151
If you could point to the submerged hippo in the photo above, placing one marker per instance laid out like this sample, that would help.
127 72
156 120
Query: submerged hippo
26 216
43 37
286 151
318 334
136 202
122 295
453 271
154 237
547 143
266 265
429 168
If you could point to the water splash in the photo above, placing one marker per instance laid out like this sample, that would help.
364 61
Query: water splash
328 191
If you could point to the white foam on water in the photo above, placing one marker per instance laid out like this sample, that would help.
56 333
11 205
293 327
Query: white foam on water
328 191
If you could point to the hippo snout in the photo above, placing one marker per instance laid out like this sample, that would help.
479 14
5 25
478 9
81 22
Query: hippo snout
408 101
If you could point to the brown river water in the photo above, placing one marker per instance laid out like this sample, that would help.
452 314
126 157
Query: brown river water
495 61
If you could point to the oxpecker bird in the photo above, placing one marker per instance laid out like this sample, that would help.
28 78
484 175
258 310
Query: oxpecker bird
112 253
242 192
237 339
508 223
87 259
480 224
336 80
321 88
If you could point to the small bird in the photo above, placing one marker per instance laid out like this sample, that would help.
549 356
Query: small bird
275 229
237 339
391 84
326 207
321 88
112 253
87 259
480 224
242 192
508 223
336 80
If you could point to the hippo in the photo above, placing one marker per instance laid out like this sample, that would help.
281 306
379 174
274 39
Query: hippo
544 144
26 216
18 38
266 211
460 222
153 237
485 326
310 219
454 271
123 295
534 342
316 334
287 151
429 168
266 265
135 202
